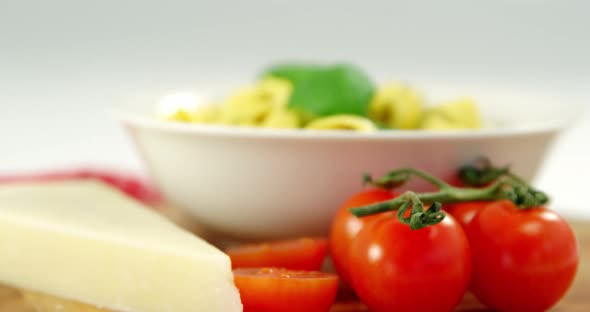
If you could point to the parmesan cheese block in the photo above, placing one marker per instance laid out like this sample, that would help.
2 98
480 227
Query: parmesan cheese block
86 242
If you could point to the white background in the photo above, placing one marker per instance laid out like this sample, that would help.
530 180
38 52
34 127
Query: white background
64 63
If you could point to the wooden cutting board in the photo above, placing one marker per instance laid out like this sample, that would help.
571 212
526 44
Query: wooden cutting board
578 298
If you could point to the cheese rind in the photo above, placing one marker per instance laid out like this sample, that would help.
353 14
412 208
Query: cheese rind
86 242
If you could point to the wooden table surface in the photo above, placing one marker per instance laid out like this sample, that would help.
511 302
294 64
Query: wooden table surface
578 298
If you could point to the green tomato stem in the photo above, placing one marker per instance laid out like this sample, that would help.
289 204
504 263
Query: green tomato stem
506 186
399 177
448 195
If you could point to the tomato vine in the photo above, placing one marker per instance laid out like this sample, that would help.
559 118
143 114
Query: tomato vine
500 183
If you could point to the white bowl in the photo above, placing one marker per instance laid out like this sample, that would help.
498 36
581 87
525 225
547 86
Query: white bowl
250 184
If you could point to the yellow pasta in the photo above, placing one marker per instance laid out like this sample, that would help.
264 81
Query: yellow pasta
456 115
208 114
180 114
342 122
397 106
249 106
245 113
265 105
272 91
282 118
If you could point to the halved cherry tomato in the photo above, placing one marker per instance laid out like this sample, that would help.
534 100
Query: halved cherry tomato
399 269
523 260
466 211
273 290
296 254
346 226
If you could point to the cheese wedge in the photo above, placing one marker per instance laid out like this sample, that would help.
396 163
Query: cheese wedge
86 242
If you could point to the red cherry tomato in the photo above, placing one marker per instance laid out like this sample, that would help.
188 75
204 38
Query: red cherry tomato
399 269
466 211
523 260
346 226
351 306
273 290
454 180
297 254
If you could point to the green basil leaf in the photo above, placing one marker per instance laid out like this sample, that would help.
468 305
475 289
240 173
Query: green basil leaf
326 90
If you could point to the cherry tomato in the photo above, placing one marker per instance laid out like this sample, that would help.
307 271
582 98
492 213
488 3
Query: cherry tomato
297 254
399 269
466 211
346 226
272 290
454 180
350 306
523 260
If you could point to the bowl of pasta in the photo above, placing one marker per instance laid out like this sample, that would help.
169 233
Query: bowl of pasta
277 157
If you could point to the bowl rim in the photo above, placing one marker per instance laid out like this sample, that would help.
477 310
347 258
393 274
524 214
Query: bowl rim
128 118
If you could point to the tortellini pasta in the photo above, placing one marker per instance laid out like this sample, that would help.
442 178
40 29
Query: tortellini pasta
206 114
393 106
396 106
261 105
281 118
342 122
252 105
180 115
454 115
